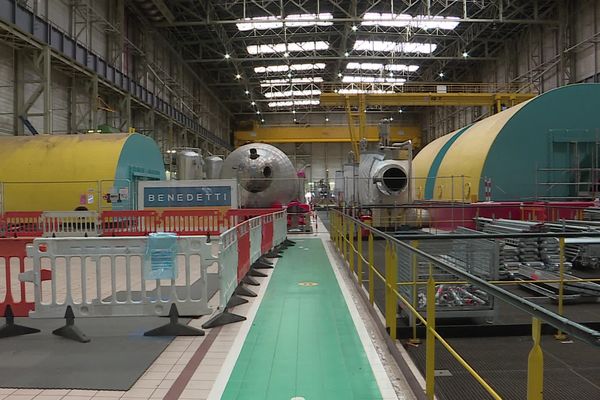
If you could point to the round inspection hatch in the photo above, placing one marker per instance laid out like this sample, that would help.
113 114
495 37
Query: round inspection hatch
308 284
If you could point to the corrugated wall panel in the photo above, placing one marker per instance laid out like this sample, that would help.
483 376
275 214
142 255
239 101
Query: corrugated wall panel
6 90
60 103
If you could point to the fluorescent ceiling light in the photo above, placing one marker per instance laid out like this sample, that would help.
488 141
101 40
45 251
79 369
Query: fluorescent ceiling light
398 47
285 68
292 20
379 67
289 47
371 79
292 93
405 20
290 103
285 82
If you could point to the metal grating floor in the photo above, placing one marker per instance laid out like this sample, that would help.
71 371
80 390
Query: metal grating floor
571 370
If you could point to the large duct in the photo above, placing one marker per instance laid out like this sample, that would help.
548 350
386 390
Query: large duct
266 175
384 176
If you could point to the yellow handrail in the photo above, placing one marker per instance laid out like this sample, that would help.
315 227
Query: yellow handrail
342 231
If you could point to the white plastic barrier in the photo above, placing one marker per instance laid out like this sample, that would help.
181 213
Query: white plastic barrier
279 227
255 239
107 277
70 224
228 261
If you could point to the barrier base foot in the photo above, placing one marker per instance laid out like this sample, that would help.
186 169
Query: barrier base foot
174 327
11 329
236 301
70 331
289 242
223 318
248 280
256 273
244 291
274 255
262 264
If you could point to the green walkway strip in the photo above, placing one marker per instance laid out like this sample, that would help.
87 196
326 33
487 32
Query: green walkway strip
303 342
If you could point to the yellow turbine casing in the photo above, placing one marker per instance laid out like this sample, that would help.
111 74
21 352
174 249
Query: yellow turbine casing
62 172
461 168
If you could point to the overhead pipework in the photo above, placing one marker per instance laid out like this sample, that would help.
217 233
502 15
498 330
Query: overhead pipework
266 175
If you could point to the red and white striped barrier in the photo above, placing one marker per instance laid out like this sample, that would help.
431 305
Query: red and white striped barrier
13 292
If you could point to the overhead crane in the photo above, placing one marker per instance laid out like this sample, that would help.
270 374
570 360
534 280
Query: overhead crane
355 98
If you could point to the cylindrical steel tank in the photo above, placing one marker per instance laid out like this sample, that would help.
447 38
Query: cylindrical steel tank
64 172
190 165
213 165
266 175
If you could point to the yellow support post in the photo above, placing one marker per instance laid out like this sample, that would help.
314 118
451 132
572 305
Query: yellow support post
535 364
414 264
359 260
332 223
390 286
393 284
371 273
339 230
561 286
351 246
430 338
344 243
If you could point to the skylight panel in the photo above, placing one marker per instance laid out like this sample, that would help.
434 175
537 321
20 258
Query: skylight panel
305 67
260 23
289 47
285 68
321 19
404 20
366 66
398 47
371 79
401 68
292 20
285 82
290 103
293 93
436 22
379 67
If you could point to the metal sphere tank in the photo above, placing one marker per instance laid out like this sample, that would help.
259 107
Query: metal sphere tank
266 175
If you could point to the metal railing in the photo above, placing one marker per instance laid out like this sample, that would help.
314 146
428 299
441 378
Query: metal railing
347 234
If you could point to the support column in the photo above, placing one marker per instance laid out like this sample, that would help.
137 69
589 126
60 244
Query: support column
47 87
19 92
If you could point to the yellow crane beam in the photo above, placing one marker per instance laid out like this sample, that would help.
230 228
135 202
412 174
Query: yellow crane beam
321 134
425 99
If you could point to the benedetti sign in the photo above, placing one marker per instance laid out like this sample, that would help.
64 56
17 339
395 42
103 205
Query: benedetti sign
218 193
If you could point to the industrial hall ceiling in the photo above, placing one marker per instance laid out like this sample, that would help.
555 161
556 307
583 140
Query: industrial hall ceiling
270 56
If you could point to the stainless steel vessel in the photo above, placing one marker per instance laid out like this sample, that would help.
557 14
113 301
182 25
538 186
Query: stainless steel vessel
266 175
